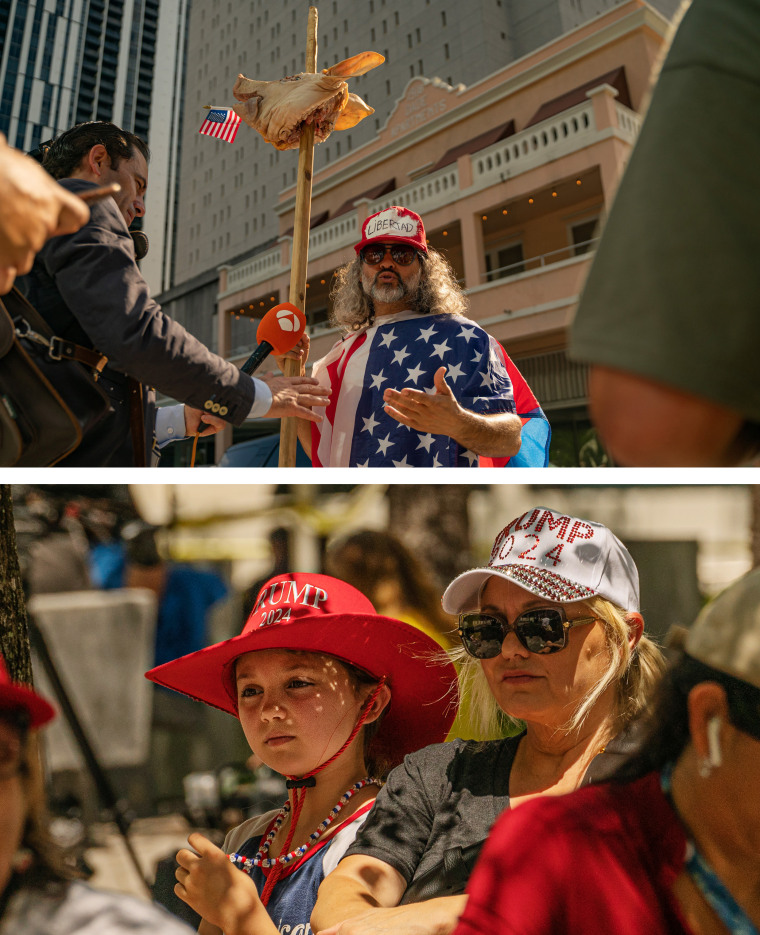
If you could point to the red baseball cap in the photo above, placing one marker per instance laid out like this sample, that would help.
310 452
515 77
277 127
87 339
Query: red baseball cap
394 225
317 613
15 697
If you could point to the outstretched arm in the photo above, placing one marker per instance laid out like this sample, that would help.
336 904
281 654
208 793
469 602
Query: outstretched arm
496 435
226 897
361 896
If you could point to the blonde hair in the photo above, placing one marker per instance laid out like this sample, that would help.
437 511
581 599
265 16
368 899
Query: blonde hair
439 293
635 674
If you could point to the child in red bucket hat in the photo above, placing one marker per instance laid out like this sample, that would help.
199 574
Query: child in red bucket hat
330 694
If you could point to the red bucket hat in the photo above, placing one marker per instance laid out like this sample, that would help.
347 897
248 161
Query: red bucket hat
15 697
394 225
317 613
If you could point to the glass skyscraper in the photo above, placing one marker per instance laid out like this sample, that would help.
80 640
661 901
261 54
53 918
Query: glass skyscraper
67 61
63 62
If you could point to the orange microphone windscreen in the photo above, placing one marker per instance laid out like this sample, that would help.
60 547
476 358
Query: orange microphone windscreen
282 327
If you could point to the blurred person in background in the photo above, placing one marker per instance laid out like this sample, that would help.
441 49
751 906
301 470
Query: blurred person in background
103 523
379 565
186 593
671 845
279 540
37 896
53 548
552 636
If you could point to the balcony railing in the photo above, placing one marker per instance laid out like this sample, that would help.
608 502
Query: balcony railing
334 235
426 194
257 269
538 262
551 139
565 133
629 122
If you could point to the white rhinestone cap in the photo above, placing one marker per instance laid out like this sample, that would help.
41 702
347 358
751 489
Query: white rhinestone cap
555 556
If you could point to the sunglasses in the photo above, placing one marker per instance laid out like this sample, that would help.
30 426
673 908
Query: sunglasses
543 630
401 254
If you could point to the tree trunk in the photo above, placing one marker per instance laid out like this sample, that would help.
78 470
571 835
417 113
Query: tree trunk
14 633
755 531
432 521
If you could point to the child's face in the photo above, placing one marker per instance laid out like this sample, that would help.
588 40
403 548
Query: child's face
296 709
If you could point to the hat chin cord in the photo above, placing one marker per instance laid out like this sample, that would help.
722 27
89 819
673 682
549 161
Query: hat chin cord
300 785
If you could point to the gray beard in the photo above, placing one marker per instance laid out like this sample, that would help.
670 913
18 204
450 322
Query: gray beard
389 293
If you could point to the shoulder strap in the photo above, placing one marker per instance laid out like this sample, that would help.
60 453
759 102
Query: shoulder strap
30 324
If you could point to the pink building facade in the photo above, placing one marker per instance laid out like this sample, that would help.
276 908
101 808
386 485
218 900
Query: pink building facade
512 177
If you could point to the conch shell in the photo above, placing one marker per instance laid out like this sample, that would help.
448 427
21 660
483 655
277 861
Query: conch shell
279 110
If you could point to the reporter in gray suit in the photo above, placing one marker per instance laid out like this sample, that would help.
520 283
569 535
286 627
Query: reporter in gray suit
88 287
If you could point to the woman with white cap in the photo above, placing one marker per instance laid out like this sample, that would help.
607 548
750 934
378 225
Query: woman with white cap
331 695
670 846
555 639
37 896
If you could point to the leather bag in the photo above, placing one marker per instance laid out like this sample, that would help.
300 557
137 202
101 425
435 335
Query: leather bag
49 398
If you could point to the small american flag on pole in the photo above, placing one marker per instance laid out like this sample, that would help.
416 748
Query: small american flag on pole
221 123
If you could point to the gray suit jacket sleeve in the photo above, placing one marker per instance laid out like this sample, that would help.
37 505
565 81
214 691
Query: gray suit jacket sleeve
96 273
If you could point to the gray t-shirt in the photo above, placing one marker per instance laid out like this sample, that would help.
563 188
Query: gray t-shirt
444 796
449 795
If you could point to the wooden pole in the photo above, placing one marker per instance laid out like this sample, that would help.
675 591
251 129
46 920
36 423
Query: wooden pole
300 255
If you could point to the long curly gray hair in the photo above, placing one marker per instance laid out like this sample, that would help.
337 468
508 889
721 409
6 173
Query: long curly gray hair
439 293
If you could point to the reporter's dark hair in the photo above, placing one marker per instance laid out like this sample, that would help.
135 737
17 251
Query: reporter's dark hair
65 153
667 725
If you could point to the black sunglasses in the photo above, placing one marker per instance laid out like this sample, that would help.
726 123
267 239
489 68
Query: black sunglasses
401 253
543 630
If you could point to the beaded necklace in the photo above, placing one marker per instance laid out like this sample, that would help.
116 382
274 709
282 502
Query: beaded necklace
261 860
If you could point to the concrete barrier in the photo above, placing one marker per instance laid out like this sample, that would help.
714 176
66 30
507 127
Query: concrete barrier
101 643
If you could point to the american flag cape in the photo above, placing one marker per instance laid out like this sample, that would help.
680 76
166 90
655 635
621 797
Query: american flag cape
536 434
222 123
405 350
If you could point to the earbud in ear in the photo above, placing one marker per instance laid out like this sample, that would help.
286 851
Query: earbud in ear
714 753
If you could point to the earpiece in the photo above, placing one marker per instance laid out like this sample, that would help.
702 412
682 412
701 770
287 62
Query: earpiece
714 753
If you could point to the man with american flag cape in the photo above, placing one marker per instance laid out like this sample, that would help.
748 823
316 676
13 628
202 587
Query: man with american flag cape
415 383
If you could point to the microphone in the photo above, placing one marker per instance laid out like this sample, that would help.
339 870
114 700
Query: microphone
140 240
279 331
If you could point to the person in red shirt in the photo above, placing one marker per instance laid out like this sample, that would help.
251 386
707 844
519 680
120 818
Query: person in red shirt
670 845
